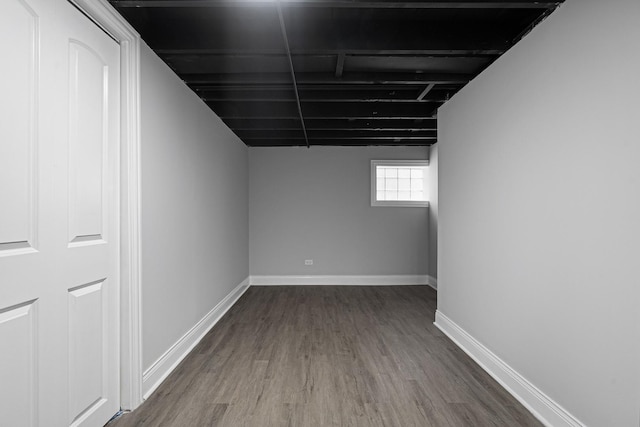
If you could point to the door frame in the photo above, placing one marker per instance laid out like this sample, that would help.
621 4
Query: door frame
107 18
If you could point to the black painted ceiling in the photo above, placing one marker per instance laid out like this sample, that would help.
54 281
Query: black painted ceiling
330 72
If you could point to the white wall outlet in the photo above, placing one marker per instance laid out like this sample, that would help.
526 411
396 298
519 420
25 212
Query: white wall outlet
308 262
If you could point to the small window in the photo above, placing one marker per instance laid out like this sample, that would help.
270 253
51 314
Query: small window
399 183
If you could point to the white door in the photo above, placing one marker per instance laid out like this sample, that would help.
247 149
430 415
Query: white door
59 136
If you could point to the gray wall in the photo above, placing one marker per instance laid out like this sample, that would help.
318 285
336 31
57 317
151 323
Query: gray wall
315 204
194 208
539 231
433 211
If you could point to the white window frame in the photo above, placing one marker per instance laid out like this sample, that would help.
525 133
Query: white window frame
395 203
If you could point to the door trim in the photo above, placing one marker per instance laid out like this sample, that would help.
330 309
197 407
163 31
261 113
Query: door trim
107 18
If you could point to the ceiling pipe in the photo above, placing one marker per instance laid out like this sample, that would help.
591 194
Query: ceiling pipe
293 73
340 65
425 91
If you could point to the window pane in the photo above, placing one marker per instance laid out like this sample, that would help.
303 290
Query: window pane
404 184
391 184
417 195
399 183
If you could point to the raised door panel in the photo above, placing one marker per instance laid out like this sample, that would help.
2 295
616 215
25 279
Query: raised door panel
59 138
18 404
88 356
88 100
18 127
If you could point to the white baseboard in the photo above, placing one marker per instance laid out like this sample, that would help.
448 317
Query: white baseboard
162 367
341 280
550 413
433 282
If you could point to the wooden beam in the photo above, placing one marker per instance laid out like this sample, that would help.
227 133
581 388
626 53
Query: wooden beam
350 4
333 52
348 138
332 89
419 79
336 142
334 134
337 93
316 123
345 129
279 109
310 118
326 101
319 91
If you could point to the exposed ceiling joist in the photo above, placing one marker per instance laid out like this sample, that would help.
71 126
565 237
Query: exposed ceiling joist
340 64
337 142
319 91
361 140
322 91
332 123
322 78
376 4
334 134
369 129
309 118
331 72
331 52
328 101
280 109
356 138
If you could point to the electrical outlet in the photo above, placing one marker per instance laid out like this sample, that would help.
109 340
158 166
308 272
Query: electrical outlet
308 262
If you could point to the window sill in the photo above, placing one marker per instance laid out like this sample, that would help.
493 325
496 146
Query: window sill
393 204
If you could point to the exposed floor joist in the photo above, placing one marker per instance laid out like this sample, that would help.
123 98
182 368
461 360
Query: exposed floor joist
379 4
321 52
326 101
320 78
333 72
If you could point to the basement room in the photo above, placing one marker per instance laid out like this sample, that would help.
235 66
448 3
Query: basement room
311 213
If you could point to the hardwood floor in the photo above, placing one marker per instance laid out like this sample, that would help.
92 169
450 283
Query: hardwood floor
329 356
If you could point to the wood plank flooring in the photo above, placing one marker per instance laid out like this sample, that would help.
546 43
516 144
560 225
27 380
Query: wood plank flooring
329 356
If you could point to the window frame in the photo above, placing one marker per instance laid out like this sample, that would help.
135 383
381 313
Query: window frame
396 203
